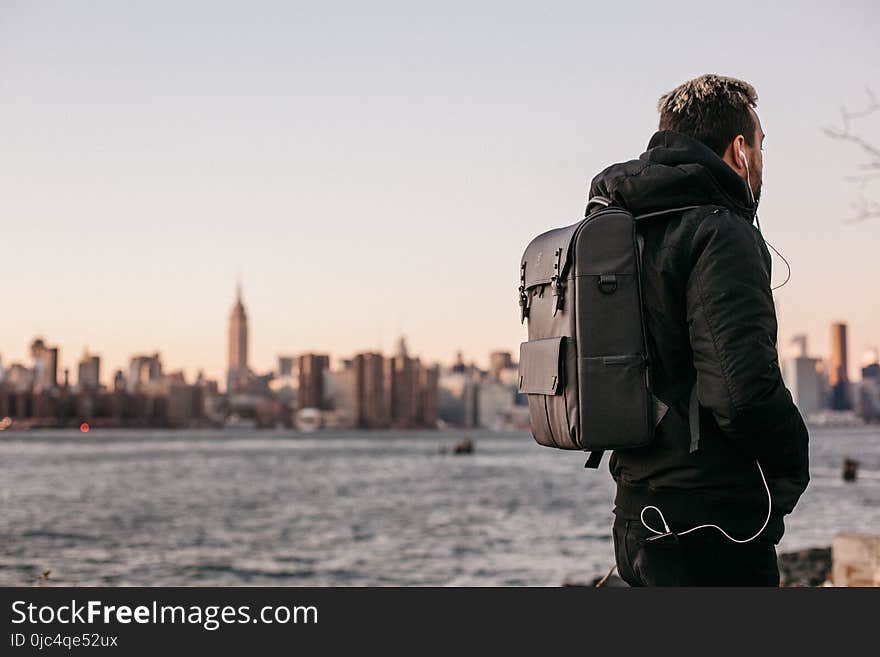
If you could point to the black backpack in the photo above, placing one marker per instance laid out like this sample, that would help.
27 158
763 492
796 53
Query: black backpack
585 367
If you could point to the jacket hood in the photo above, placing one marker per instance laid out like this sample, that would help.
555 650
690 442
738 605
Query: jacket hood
674 171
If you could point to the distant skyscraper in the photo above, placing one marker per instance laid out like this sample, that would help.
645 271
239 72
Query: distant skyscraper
285 365
498 362
458 395
20 377
45 365
372 391
312 369
89 372
144 372
343 398
37 347
868 399
429 378
403 376
837 376
401 347
119 381
803 376
800 341
238 345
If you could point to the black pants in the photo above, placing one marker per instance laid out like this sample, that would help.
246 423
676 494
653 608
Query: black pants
701 558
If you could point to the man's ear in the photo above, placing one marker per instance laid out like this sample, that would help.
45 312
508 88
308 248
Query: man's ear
732 155
740 144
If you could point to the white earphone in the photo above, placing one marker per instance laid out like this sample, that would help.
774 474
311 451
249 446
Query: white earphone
742 154
758 221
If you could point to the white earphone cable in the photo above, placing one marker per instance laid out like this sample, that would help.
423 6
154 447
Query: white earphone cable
758 221
709 526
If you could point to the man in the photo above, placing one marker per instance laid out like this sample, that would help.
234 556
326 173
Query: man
711 328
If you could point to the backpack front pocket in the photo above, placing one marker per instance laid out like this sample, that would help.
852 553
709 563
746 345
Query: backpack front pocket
614 408
542 367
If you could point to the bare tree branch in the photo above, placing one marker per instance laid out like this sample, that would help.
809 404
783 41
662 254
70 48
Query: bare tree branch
866 208
870 149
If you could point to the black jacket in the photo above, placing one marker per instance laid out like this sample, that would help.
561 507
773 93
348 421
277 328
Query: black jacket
709 313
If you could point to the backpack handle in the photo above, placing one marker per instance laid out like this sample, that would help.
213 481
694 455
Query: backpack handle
601 201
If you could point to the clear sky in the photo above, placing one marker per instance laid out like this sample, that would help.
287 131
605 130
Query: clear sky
372 168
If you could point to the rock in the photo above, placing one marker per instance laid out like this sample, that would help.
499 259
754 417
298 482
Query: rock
850 469
856 560
810 567
466 446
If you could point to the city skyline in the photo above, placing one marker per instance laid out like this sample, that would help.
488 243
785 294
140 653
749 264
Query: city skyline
91 367
367 390
237 348
387 180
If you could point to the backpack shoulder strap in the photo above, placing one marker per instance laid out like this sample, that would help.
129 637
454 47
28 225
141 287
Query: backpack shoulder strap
686 387
659 213
694 419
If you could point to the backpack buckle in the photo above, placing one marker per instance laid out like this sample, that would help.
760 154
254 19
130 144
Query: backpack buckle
559 295
607 283
523 297
523 304
558 289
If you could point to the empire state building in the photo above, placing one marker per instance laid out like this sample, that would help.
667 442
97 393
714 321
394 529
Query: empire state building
237 374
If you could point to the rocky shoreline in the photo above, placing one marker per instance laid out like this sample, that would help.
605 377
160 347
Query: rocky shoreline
809 567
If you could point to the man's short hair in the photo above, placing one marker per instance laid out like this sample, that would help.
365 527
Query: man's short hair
713 109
